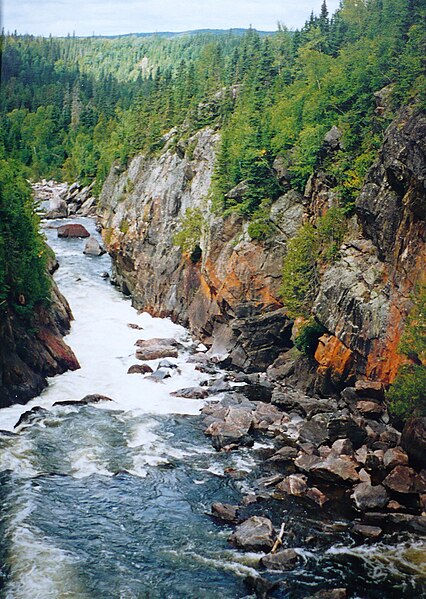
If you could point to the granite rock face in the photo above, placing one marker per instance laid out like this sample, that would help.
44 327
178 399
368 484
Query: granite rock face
229 293
229 296
29 354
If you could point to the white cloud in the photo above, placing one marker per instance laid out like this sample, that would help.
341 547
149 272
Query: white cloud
110 17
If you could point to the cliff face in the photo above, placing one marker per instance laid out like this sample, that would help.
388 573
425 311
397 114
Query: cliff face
364 298
230 296
29 352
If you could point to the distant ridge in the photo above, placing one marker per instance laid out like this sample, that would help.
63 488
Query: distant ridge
170 34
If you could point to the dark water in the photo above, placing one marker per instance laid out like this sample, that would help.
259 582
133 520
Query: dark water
113 501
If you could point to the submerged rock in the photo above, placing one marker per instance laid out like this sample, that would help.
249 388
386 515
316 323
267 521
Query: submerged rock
191 393
140 369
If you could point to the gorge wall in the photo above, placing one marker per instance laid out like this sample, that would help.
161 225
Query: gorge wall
32 350
229 296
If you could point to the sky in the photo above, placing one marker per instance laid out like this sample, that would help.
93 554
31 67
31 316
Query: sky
113 17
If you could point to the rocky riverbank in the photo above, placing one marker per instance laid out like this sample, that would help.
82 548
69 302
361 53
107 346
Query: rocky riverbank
340 456
33 349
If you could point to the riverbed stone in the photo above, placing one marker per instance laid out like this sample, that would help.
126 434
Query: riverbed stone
140 369
285 454
155 352
73 230
343 426
367 531
255 534
93 247
395 456
191 393
401 479
285 559
369 497
336 469
233 430
225 511
295 484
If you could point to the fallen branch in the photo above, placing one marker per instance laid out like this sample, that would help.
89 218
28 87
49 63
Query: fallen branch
279 539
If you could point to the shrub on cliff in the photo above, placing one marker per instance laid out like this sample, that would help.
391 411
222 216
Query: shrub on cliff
407 394
189 234
312 247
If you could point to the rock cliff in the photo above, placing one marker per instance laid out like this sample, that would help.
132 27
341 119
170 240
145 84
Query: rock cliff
228 294
32 351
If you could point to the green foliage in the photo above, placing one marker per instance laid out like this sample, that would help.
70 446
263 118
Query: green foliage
23 254
306 340
190 230
407 394
311 248
261 227
300 272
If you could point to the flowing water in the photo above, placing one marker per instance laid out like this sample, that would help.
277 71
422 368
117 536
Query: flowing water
111 501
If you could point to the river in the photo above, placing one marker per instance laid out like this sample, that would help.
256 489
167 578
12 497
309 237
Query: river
112 501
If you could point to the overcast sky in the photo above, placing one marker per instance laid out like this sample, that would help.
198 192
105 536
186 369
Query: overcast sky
111 17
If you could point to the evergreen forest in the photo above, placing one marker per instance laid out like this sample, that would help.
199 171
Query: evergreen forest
71 107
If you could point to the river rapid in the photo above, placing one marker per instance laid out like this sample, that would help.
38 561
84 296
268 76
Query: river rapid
112 501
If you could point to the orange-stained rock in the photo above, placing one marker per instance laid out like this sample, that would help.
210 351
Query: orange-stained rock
334 359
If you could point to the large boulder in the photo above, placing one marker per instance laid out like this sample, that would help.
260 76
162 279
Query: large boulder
368 497
414 440
93 247
73 230
57 208
336 469
286 559
233 429
255 534
402 479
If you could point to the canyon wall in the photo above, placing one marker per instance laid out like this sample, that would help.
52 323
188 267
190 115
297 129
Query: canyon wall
33 349
229 294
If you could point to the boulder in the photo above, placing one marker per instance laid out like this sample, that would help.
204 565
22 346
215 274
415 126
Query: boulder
72 230
370 409
156 341
92 398
313 432
394 457
156 351
191 393
342 426
285 454
233 428
343 447
295 484
225 511
369 532
414 440
330 594
306 462
402 480
286 559
255 534
57 208
375 389
317 496
93 247
140 369
338 470
160 374
368 497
